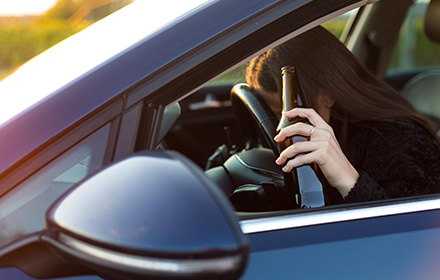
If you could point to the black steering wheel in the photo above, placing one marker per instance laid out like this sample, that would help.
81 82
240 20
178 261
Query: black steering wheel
250 110
254 182
250 177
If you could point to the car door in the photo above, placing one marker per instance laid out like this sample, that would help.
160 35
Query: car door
390 240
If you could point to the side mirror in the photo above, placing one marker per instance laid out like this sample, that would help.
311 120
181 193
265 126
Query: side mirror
154 214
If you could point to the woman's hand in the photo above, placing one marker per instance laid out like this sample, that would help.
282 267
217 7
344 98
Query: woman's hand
322 149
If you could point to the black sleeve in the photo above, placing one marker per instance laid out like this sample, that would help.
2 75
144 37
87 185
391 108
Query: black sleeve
393 161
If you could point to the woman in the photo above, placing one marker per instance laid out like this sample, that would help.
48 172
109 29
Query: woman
369 142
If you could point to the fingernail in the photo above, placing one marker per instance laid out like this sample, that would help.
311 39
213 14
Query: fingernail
285 169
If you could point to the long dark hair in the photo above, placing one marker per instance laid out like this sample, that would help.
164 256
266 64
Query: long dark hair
324 64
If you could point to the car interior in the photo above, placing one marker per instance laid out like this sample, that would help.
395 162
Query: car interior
422 89
221 129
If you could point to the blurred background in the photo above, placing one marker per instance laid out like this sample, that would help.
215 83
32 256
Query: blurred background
29 27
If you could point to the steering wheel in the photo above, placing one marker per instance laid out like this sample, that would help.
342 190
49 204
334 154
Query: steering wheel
249 107
250 110
251 178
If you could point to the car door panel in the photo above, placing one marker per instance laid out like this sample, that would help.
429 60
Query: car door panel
393 247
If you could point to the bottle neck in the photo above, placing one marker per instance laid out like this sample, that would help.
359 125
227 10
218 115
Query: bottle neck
288 94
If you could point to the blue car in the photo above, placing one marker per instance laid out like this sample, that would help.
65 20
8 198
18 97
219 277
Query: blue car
114 145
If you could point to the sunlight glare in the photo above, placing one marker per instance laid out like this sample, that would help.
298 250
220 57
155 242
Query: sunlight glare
24 7
71 58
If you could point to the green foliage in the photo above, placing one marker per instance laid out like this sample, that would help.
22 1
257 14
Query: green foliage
23 38
66 9
416 50
335 26
63 9
20 42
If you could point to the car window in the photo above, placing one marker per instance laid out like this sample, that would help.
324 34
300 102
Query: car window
29 201
414 49
336 26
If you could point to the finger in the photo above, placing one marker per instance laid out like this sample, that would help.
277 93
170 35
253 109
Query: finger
298 128
300 161
324 134
315 133
309 113
297 149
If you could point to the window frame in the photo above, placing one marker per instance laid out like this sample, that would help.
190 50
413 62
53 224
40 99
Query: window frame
272 221
59 144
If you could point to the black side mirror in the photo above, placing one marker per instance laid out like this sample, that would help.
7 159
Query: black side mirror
153 215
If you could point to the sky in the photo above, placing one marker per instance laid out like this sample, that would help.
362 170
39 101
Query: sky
24 7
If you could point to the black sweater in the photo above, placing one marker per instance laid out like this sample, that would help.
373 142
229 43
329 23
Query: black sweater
393 160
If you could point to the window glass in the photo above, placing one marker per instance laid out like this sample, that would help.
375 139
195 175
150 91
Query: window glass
338 24
413 49
23 209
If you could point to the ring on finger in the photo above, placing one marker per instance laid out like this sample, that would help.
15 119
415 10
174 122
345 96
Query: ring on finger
312 130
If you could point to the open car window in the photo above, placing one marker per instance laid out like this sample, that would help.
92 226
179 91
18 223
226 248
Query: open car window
337 26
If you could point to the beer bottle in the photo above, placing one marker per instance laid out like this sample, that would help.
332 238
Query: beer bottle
305 190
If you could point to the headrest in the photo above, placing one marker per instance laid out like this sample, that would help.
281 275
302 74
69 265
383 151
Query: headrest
432 21
422 91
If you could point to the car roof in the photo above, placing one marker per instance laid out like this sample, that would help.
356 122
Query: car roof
81 79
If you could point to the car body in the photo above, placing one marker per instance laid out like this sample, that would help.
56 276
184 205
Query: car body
137 82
